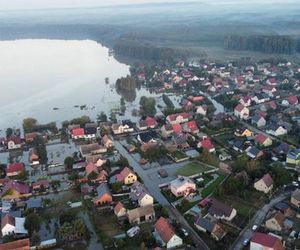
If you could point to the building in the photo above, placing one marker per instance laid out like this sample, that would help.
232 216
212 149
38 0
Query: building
241 111
221 210
14 190
33 157
259 121
103 195
265 184
15 169
107 142
263 140
92 149
11 225
119 210
179 118
165 234
126 176
77 133
202 110
207 144
261 241
29 137
167 130
122 128
275 222
206 225
13 142
190 127
90 130
293 156
182 186
140 194
23 244
295 198
141 214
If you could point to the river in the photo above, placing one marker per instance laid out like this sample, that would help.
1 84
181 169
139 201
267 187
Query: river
39 75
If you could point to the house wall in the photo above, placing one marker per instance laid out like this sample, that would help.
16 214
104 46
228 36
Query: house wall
175 241
272 224
295 202
260 186
106 198
147 200
131 178
8 230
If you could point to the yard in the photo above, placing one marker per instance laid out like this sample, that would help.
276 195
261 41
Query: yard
193 168
211 187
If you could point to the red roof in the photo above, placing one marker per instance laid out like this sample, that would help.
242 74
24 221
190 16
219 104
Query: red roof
293 100
7 219
164 229
16 245
15 167
184 115
206 143
177 128
90 167
77 132
239 107
20 187
267 180
123 174
261 138
196 98
269 88
15 139
267 241
39 183
151 122
118 207
192 125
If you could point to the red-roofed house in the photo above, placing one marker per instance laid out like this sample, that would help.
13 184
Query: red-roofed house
38 185
245 101
263 140
272 81
265 184
13 142
151 122
14 189
177 129
269 90
29 137
126 176
77 133
293 100
23 244
165 234
202 110
14 169
196 98
207 144
179 118
241 111
120 210
191 127
265 242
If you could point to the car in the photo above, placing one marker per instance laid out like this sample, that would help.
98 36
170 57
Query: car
184 232
245 242
162 173
254 228
295 183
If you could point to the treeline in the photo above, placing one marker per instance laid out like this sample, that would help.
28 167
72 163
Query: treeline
265 44
130 48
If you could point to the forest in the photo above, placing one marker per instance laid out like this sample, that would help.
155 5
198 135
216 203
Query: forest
263 43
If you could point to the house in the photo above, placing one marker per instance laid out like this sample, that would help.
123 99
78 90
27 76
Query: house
263 140
77 133
103 195
11 225
180 141
23 244
29 137
165 234
125 127
190 127
15 169
206 225
265 184
295 198
284 208
167 130
140 194
146 137
207 144
92 171
126 176
141 214
92 149
202 110
245 101
15 189
177 128
240 132
293 100
151 122
275 222
33 157
40 185
142 125
90 130
260 98
241 111
196 98
182 186
272 81
269 90
265 241
258 120
119 210
107 142
13 142
282 149
179 118
275 129
220 210
225 168
254 152
293 157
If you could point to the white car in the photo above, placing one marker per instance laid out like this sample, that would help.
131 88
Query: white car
254 228
245 242
185 233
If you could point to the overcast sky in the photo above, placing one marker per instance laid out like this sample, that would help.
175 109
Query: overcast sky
33 4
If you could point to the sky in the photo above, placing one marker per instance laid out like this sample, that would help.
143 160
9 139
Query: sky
38 4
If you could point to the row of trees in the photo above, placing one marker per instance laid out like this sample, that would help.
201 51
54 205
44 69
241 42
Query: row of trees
266 44
147 106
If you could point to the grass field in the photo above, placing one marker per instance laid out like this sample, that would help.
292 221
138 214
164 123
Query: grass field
192 169
211 187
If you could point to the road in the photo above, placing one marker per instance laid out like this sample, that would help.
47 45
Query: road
155 191
257 219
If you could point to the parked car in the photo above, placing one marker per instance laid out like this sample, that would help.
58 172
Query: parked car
246 242
162 173
254 228
184 232
133 231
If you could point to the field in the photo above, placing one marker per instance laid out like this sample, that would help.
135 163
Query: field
211 187
192 169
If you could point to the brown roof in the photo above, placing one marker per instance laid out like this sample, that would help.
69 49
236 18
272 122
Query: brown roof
267 180
118 207
7 219
267 241
239 107
139 212
16 245
219 208
165 230
279 217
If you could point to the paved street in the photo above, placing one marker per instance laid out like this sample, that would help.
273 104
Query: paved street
257 219
155 191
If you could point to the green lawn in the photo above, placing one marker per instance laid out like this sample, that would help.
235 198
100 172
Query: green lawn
192 169
211 187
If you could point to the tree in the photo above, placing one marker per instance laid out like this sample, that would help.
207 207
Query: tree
117 186
73 176
35 239
32 223
67 216
123 162
147 106
22 175
55 184
41 150
69 162
281 176
29 124
9 132
102 117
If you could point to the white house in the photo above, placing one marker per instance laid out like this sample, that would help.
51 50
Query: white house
12 225
265 184
165 234
182 186
202 110
140 194
241 111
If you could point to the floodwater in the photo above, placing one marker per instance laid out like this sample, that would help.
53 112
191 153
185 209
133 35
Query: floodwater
45 79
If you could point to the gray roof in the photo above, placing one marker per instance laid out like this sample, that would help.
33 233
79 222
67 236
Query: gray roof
138 191
296 194
102 189
205 223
